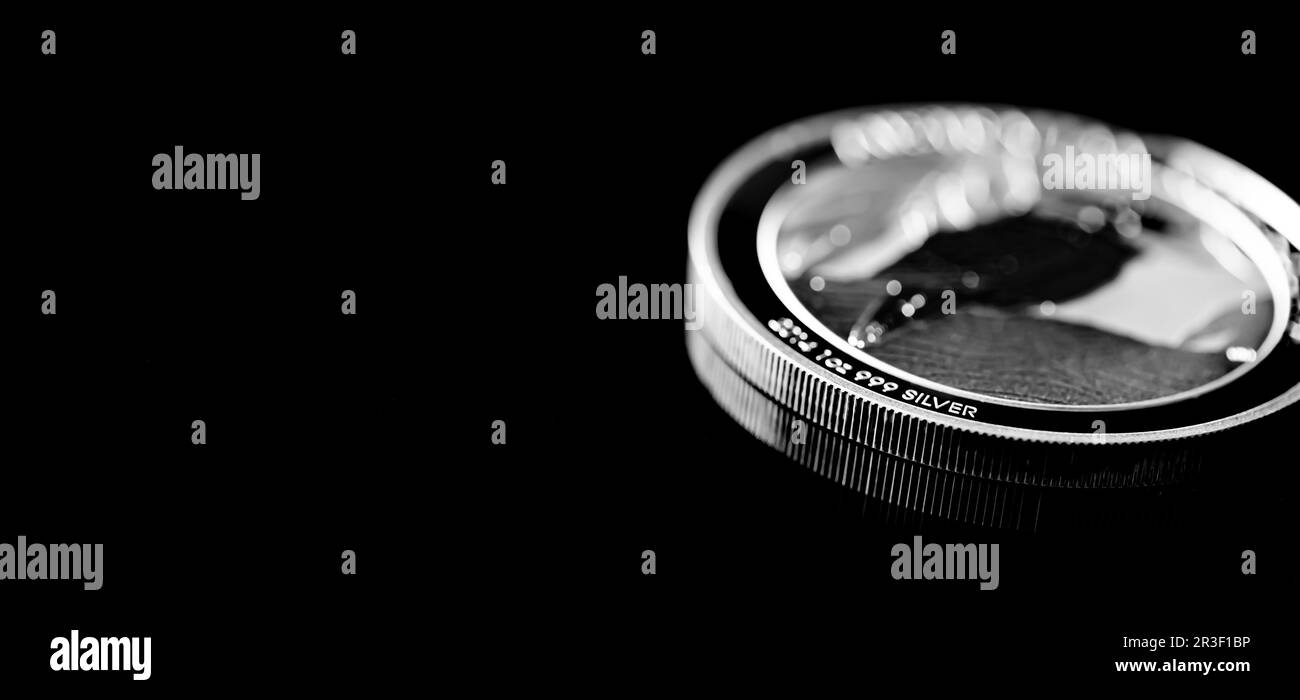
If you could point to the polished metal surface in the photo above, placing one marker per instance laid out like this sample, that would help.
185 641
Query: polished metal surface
1028 297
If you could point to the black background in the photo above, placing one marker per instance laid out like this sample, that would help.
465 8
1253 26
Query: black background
520 564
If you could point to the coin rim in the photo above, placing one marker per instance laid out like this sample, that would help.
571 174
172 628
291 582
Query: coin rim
706 271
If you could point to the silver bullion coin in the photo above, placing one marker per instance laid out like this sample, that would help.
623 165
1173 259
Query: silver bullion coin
971 309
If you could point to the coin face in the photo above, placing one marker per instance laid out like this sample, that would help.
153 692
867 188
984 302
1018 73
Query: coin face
945 273
945 283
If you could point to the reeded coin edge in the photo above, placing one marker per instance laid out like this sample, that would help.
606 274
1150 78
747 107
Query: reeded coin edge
962 491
